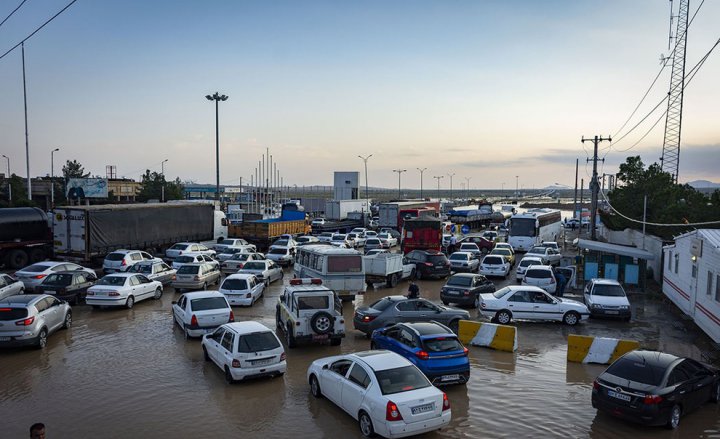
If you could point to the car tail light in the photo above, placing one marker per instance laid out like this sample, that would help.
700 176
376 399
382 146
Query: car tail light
240 265
196 278
90 293
113 293
232 317
446 402
465 351
596 385
368 318
283 357
193 320
26 322
422 355
392 413
39 276
248 296
429 264
123 263
236 363
652 399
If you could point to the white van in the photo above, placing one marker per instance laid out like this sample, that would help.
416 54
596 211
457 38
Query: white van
341 269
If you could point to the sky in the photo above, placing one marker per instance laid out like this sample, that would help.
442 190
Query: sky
485 90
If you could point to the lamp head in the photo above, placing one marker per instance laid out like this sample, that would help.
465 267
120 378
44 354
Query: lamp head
209 98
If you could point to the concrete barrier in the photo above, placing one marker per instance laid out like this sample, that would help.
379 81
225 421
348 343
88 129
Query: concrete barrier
588 349
500 337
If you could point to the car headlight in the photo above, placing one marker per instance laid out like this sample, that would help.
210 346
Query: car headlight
597 305
624 306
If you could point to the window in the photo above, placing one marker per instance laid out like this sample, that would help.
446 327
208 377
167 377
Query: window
694 270
234 284
407 338
717 288
402 379
677 262
345 264
520 296
381 304
408 305
709 282
136 257
41 305
208 303
677 376
227 341
313 302
258 342
341 367
670 257
423 305
218 334
134 281
359 376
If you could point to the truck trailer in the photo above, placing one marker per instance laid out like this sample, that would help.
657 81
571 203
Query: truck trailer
25 236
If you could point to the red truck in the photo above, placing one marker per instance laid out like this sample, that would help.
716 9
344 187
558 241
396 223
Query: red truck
423 233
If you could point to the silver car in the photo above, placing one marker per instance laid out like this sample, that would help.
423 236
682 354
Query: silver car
34 274
265 271
158 271
10 287
196 276
28 319
395 309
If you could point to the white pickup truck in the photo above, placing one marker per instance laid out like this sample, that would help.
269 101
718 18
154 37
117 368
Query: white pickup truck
387 267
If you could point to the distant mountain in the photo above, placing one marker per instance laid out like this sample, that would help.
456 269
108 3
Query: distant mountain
700 184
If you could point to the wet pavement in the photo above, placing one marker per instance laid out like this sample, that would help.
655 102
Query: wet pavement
130 373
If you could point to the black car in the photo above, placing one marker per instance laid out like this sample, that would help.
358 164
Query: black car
465 289
70 286
654 388
429 263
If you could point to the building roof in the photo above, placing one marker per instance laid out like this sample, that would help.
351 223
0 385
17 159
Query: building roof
710 236
617 249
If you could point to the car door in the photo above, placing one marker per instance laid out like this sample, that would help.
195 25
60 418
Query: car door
427 311
545 306
213 346
225 350
80 284
520 304
276 271
389 339
179 311
700 382
55 314
354 389
146 286
5 287
680 378
333 380
485 285
146 256
404 311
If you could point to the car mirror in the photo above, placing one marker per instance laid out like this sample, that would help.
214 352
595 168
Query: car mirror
174 302
326 367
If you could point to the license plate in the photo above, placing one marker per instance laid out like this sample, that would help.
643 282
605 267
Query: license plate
4 338
423 408
50 292
454 377
611 312
618 395
439 266
320 337
262 362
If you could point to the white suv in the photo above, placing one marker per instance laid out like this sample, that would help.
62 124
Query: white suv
120 260
607 298
541 276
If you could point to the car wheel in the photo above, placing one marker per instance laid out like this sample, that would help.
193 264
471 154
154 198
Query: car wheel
290 337
445 302
366 426
204 286
503 317
571 318
278 323
322 322
228 376
205 354
412 274
419 274
454 326
476 304
158 294
186 334
315 387
42 339
130 302
68 320
715 397
674 419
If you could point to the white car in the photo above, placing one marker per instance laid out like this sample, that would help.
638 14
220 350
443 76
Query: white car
155 270
227 252
549 255
120 260
266 271
526 302
494 265
357 238
242 289
376 251
182 248
607 298
526 262
231 242
359 230
318 222
541 276
193 258
33 275
384 392
388 239
341 240
373 244
325 236
244 350
10 287
283 256
237 261
463 261
504 245
307 239
201 312
472 248
122 289
551 244
284 242
370 234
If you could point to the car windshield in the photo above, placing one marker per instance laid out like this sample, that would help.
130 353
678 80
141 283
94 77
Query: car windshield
184 259
36 268
281 242
257 342
115 256
501 251
401 379
140 268
240 256
442 344
458 257
460 281
538 274
608 290
7 314
539 250
338 238
529 262
381 304
278 251
117 281
208 303
636 370
383 236
188 269
437 259
179 247
254 266
372 241
493 260
234 284
58 279
502 292
313 302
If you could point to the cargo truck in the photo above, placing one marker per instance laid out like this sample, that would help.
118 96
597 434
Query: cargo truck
264 231
392 214
25 236
421 234
387 267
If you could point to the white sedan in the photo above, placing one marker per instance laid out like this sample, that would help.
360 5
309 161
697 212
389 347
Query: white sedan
383 391
242 289
388 239
201 312
530 303
266 271
494 265
122 289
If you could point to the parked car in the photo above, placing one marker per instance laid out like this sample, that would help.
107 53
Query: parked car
266 271
376 251
465 289
341 240
242 289
463 261
432 347
396 309
238 260
384 392
33 275
654 388
285 241
193 258
70 286
392 232
525 302
508 254
307 239
318 222
245 350
429 263
29 319
572 223
387 239
551 244
607 298
325 236
494 265
357 239
120 260
471 247
10 287
155 270
224 243
122 289
283 256
549 255
524 264
181 248
541 276
370 234
485 245
201 312
196 276
227 252
373 244
504 245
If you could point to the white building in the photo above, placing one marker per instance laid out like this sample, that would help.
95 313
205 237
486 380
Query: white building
346 186
691 277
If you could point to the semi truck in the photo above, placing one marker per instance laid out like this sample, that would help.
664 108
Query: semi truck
393 214
263 232
422 234
25 236
88 233
340 209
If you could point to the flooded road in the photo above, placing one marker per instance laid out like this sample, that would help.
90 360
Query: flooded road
130 373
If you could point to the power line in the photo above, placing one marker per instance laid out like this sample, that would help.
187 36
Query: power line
11 14
38 29
706 223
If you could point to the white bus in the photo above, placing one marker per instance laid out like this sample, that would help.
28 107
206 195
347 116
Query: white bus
533 227
341 269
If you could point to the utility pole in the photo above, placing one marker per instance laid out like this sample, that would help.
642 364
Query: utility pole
421 180
8 179
451 194
399 173
367 197
438 178
575 205
594 185
27 144
162 173
467 187
52 177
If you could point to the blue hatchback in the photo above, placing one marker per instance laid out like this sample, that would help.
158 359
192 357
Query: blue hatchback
431 346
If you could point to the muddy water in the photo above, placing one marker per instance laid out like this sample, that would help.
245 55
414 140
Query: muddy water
130 373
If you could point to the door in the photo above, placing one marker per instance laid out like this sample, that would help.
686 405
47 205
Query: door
179 311
590 271
333 379
428 311
225 350
521 305
405 311
632 274
611 271
545 307
213 345
354 389
55 315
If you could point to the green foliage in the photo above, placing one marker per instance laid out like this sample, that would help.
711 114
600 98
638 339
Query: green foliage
152 183
73 169
19 193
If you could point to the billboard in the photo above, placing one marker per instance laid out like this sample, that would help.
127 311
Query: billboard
87 188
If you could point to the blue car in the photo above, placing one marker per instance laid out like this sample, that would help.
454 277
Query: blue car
431 346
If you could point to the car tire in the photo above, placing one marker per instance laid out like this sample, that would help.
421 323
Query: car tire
290 337
67 323
392 280
445 302
17 259
419 274
130 302
373 346
315 387
322 322
503 317
715 397
674 417
366 425
204 286
454 326
42 339
158 294
205 354
571 318
228 376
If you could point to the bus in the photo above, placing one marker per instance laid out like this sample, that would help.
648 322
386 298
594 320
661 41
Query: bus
533 227
341 269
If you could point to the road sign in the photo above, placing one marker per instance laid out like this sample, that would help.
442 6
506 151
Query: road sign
465 229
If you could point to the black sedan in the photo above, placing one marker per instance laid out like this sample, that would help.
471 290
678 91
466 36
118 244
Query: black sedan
465 289
70 286
654 388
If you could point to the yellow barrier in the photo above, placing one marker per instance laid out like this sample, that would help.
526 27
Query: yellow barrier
588 349
500 337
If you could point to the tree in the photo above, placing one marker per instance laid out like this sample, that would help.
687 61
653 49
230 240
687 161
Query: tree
152 183
73 169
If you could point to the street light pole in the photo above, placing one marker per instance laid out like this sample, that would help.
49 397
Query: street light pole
8 177
162 188
27 144
421 180
399 172
367 197
52 177
217 97
502 191
438 178
517 194
467 187
451 176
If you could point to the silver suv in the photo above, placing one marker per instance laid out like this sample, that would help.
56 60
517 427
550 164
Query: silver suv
28 319
120 260
196 276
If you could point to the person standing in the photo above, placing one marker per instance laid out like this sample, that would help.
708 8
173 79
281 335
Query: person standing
413 290
561 281
451 246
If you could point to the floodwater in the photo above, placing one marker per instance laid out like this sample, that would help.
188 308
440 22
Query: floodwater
131 374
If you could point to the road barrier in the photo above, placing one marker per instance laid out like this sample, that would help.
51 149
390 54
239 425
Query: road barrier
500 337
601 350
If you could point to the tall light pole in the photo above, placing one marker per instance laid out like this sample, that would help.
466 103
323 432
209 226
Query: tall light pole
399 173
52 177
8 177
517 194
162 188
217 97
451 176
467 187
438 178
421 180
502 191
27 144
367 197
